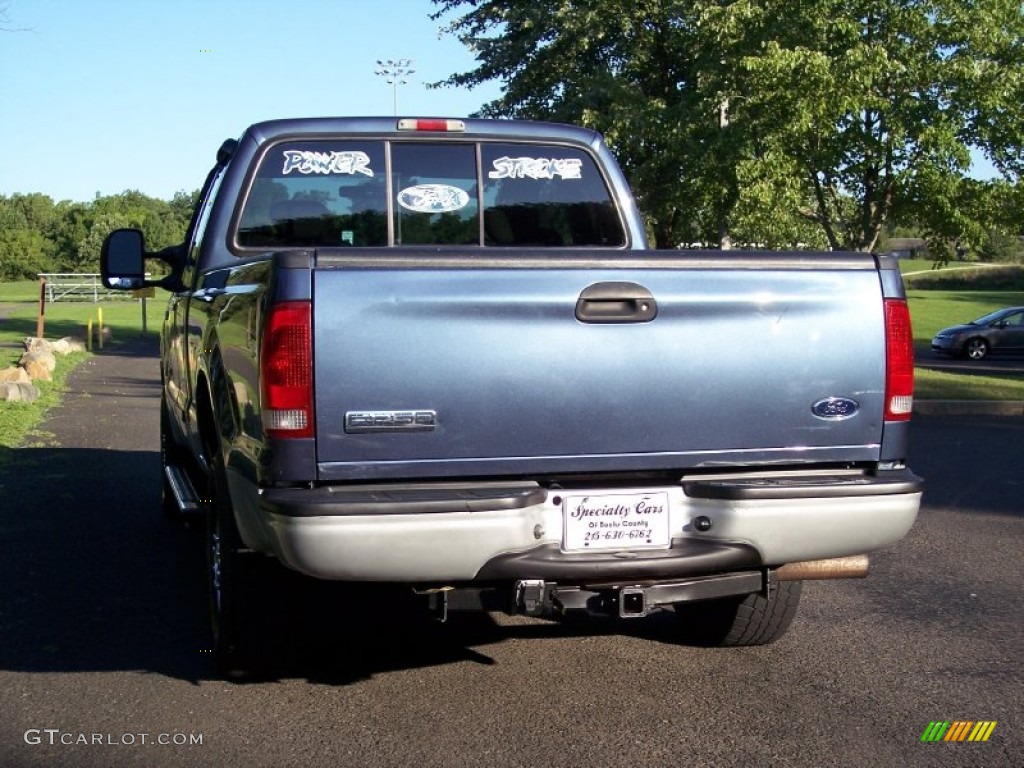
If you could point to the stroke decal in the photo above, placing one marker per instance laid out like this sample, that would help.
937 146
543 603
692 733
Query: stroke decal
306 161
433 198
536 168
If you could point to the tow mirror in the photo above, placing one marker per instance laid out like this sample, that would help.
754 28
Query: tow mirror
122 260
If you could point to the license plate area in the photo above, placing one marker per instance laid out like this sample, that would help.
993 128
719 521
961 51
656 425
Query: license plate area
596 522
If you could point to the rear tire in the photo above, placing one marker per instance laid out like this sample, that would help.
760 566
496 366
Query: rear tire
740 621
245 591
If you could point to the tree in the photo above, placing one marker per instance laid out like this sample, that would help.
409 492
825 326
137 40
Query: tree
37 235
846 113
182 205
26 226
87 254
879 103
25 252
631 69
73 223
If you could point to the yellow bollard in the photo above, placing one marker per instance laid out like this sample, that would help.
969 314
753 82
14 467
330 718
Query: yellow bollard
88 335
100 329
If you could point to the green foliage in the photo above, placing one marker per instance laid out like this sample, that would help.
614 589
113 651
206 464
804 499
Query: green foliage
775 121
879 104
26 252
1001 248
629 68
38 235
768 189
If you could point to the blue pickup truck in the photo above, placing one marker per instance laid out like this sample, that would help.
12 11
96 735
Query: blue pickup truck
439 354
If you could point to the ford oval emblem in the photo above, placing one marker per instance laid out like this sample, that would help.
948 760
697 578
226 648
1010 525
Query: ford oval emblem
835 408
433 198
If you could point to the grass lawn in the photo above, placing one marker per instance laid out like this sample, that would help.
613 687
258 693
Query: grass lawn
931 311
939 385
19 309
19 420
18 313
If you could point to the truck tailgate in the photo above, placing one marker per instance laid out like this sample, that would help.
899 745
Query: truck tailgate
447 370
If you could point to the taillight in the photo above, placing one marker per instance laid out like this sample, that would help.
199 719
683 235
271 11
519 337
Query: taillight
899 361
286 371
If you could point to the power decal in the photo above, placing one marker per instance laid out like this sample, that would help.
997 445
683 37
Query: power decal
433 198
306 161
536 168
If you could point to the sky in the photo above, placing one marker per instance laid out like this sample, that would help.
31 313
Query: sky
101 96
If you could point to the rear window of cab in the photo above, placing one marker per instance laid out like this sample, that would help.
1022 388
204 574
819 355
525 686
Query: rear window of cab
374 193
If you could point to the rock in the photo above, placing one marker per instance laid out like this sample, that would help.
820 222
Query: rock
67 345
35 344
64 346
11 392
45 359
14 375
37 371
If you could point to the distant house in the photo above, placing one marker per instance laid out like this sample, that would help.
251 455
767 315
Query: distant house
905 248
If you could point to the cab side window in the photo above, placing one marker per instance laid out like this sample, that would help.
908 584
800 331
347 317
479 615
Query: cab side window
202 217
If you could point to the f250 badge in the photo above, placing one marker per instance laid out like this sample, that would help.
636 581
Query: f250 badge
390 421
835 408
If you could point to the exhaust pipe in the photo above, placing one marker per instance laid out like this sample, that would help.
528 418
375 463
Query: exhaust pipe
852 567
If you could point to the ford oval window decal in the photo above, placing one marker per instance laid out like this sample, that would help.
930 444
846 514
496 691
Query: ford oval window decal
433 198
835 408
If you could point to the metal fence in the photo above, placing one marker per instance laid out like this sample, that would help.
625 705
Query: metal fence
77 286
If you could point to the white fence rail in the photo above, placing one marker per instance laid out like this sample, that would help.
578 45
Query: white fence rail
78 286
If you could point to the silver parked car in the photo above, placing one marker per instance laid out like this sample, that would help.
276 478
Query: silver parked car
999 331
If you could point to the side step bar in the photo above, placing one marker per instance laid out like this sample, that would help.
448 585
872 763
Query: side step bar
185 495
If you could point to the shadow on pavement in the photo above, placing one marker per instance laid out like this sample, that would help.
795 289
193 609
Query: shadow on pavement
972 462
94 578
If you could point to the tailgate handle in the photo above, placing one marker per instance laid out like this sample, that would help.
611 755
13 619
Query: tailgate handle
616 303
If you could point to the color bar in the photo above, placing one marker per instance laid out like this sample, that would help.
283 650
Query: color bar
958 731
982 730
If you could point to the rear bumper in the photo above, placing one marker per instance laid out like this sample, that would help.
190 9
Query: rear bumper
455 533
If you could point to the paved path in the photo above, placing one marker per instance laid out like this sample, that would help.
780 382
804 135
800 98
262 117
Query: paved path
102 634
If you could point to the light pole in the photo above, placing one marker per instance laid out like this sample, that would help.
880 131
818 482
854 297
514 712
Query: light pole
394 72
